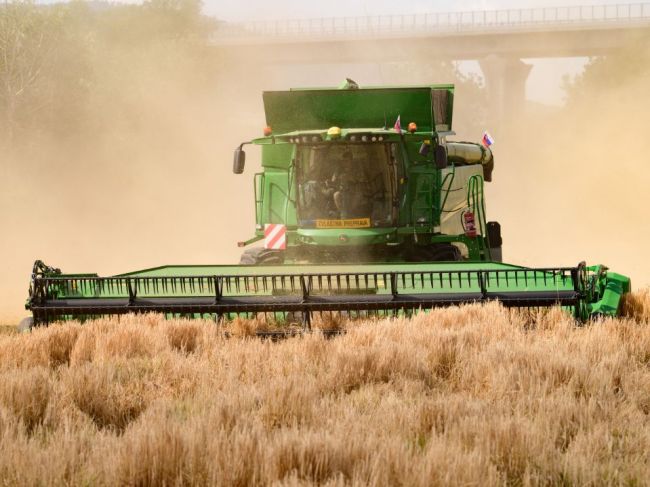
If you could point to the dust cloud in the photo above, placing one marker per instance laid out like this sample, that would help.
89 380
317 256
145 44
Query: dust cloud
572 184
148 180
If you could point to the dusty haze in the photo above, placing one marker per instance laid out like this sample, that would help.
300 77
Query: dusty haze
147 180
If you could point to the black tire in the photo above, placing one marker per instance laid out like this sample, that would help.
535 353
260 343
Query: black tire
496 254
495 241
25 325
433 253
261 256
446 252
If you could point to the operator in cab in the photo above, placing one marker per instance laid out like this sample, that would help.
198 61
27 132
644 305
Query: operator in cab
318 191
353 195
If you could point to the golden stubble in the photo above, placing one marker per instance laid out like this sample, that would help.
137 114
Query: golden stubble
476 395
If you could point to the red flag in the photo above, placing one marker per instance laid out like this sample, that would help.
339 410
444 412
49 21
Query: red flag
487 139
398 124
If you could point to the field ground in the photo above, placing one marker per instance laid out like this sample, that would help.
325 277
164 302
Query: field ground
475 395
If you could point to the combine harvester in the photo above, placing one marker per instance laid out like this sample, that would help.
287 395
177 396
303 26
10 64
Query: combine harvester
357 215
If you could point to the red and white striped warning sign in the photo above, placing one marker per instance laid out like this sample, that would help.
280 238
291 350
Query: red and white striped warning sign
275 236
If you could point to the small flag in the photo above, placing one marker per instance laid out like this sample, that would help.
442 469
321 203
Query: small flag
398 124
487 139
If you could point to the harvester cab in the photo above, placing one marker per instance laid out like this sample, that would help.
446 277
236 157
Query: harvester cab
341 184
363 206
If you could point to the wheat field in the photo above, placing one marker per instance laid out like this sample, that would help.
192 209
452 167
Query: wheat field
476 395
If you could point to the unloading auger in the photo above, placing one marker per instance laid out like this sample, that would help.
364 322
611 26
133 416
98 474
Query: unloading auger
356 218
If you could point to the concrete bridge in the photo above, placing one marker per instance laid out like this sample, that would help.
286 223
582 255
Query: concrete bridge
497 39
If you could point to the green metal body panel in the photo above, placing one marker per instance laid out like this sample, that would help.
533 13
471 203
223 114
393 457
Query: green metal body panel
302 110
613 286
354 237
277 156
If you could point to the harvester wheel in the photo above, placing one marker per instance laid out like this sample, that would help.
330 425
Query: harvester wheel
495 241
25 325
497 254
446 252
261 256
433 253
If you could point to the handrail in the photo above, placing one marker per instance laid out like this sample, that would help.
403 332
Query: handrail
583 16
451 175
476 201
258 182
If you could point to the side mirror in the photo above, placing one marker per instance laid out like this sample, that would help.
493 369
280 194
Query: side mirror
440 156
239 161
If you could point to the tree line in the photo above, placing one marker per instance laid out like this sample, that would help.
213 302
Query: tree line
62 64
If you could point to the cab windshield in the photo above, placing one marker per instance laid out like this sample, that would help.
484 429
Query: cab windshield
355 183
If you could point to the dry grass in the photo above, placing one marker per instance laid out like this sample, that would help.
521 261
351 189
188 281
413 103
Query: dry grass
7 329
462 396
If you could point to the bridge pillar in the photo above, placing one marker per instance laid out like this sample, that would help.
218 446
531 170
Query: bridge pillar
505 80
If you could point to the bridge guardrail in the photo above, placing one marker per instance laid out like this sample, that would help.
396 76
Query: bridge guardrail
584 16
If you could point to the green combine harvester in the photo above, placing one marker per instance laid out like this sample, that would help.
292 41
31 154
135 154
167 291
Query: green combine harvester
355 214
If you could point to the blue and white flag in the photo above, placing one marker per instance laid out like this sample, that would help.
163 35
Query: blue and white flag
487 139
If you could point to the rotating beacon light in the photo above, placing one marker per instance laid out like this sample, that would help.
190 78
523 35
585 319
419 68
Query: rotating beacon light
334 132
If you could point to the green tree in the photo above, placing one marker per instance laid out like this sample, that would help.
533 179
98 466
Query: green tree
28 40
66 69
614 74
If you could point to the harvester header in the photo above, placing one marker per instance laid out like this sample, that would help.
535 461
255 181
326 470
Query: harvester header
363 205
